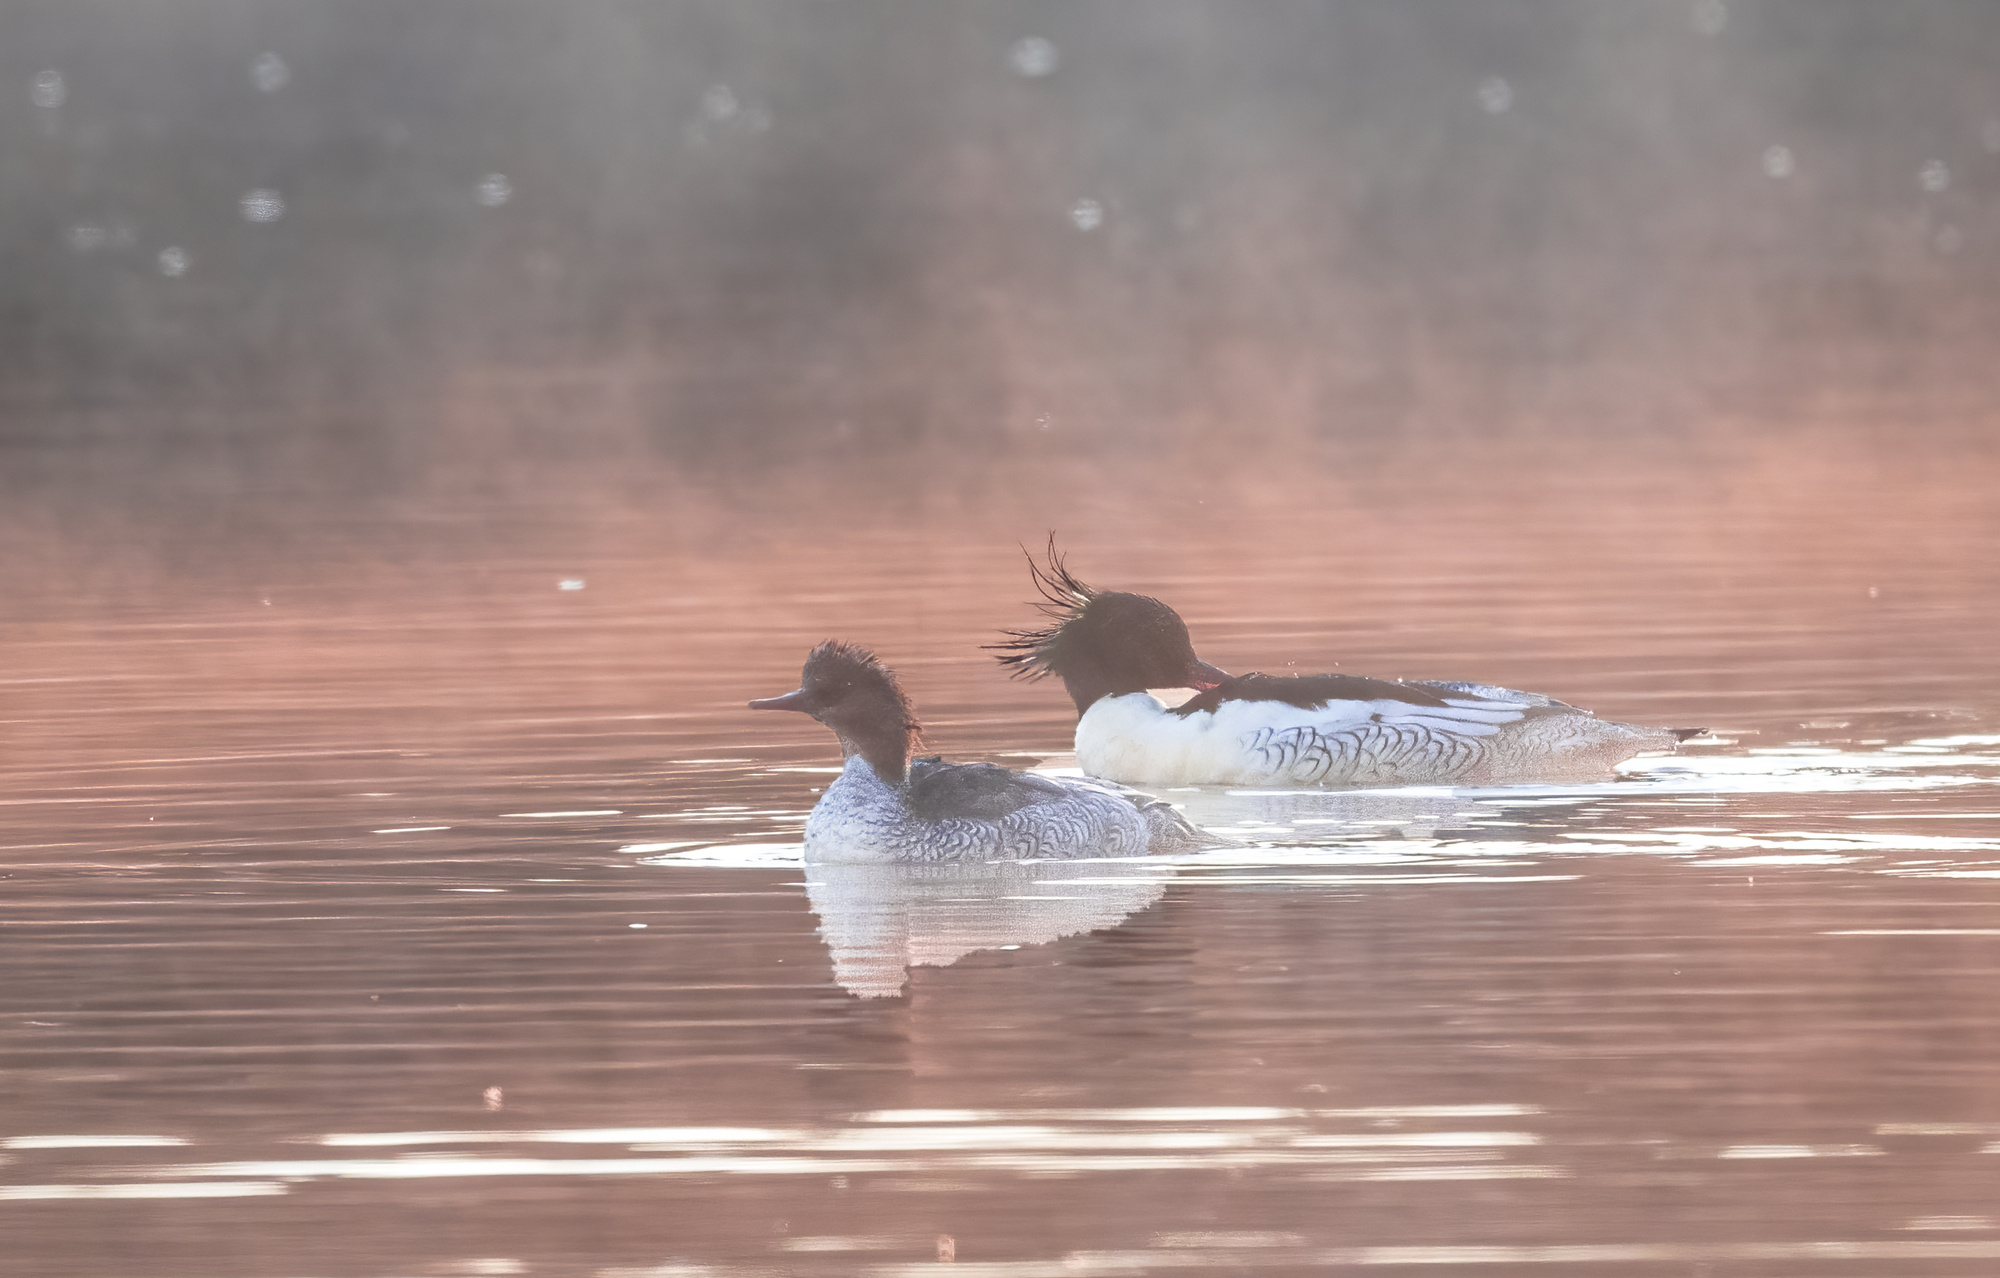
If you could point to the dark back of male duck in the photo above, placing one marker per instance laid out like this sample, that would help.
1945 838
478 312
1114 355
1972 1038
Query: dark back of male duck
1109 648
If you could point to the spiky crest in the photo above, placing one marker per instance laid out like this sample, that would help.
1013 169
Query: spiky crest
849 689
1063 598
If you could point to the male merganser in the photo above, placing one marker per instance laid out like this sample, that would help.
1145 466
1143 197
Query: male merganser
1109 647
886 807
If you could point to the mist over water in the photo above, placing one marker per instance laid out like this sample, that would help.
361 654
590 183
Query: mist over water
283 254
422 428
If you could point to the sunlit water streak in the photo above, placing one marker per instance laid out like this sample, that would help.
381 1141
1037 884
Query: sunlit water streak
448 911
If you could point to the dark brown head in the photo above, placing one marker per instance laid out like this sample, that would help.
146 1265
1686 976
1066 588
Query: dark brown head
1103 643
847 688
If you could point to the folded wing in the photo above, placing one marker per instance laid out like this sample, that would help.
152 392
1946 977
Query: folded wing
975 791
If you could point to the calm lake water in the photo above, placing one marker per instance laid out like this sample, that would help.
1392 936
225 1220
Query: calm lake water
431 905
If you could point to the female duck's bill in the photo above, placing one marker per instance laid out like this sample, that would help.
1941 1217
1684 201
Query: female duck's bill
887 808
847 688
1109 648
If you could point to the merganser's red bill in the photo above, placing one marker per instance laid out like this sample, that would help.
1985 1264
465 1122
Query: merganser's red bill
1289 730
886 808
1202 676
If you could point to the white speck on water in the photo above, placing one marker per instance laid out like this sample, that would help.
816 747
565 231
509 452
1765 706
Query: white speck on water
723 112
262 205
269 72
719 104
1087 213
1948 240
88 237
174 264
581 812
1778 162
494 1098
1934 176
1495 95
494 190
1950 1222
1032 57
1045 420
570 583
1710 17
637 927
48 89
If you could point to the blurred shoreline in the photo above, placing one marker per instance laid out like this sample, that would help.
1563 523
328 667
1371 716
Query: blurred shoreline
326 290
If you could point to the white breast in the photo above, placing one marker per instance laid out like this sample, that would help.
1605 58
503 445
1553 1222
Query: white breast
859 819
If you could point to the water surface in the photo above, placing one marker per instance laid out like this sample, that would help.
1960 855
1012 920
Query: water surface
442 914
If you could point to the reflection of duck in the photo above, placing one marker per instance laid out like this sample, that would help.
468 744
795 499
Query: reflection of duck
880 919
886 808
1109 647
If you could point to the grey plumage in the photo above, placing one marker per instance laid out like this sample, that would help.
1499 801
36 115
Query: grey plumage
888 808
862 818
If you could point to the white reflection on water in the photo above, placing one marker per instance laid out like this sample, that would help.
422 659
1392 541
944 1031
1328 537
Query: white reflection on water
878 921
881 920
145 1189
88 1142
1416 816
1194 1114
691 1136
1801 1151
1134 1262
1335 819
1324 1143
739 856
588 812
1807 769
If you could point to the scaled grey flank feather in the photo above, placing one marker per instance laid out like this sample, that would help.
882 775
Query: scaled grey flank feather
1038 818
1359 752
1366 751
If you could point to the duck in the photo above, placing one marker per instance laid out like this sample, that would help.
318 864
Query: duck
887 807
1111 648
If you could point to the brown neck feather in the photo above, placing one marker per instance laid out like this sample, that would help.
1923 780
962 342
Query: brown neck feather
884 740
888 753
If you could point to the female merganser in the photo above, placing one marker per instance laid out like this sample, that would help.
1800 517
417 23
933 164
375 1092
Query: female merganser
886 807
1109 647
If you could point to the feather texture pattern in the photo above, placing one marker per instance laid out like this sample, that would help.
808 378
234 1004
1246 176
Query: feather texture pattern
862 819
1468 739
